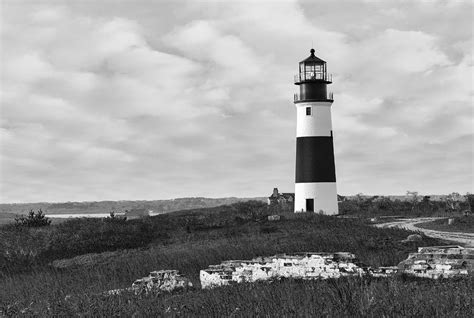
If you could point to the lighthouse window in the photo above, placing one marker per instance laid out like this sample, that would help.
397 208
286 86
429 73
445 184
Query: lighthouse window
308 111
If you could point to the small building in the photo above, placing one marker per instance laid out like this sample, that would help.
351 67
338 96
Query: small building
281 199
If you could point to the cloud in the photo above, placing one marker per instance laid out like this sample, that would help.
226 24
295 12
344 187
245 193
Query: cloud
118 102
396 51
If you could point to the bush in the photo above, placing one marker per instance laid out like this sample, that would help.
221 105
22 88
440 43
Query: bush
33 219
253 210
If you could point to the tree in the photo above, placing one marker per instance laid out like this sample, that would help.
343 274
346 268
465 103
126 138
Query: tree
359 197
426 205
452 201
113 217
470 202
33 219
385 204
413 198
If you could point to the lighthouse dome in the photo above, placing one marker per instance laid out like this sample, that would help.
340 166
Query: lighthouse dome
313 59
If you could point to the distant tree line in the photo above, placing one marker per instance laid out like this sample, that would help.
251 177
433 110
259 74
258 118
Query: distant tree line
415 205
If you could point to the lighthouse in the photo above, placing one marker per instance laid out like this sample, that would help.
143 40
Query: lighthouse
315 180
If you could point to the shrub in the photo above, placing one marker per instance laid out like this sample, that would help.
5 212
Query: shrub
367 206
115 218
253 210
33 219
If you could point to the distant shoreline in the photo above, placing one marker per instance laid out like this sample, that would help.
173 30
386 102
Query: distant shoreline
82 215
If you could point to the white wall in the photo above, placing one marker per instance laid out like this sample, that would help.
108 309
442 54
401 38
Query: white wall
323 193
318 123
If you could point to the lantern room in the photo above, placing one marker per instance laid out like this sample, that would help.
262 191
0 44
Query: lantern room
312 69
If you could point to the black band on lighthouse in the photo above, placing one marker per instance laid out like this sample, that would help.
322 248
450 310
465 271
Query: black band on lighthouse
315 159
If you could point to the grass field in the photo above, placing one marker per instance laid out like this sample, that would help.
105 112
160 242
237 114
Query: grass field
192 240
460 224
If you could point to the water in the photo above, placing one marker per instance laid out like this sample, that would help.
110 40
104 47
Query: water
82 215
89 215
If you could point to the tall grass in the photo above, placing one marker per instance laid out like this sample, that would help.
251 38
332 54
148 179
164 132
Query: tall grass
344 297
187 241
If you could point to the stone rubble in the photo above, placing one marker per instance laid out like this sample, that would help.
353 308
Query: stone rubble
156 282
413 238
384 271
161 281
275 217
299 265
431 262
439 261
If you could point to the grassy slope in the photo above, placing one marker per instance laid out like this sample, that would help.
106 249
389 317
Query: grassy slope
345 297
120 206
190 241
461 224
8 211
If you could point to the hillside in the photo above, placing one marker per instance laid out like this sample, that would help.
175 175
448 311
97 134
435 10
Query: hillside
8 210
92 256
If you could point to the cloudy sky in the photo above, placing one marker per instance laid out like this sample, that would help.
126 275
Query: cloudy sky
110 100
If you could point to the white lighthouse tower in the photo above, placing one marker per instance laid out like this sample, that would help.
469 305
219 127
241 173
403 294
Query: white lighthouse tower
315 182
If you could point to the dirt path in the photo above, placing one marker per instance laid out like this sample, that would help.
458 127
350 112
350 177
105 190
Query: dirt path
466 239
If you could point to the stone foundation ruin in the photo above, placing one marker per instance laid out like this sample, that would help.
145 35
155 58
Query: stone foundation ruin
439 261
298 265
431 262
161 281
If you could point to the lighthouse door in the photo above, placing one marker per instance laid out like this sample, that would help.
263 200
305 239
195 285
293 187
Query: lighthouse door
309 205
